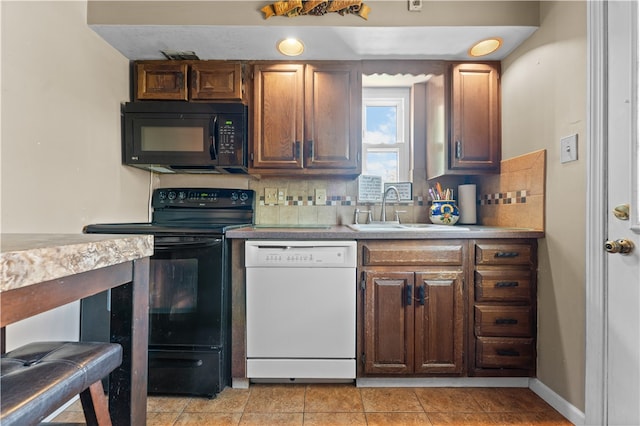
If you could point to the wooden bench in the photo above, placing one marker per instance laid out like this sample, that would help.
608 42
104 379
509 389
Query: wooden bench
38 378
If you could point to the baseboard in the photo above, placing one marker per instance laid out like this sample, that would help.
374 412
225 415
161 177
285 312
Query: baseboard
480 382
573 414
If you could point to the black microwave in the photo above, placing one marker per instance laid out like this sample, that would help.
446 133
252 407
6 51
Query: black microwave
181 137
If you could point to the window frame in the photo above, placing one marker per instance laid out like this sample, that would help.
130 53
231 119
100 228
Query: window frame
399 97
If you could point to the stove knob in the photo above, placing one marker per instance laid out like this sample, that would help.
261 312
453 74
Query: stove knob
182 195
234 196
171 195
162 195
244 196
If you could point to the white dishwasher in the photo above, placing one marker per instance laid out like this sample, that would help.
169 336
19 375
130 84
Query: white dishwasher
301 309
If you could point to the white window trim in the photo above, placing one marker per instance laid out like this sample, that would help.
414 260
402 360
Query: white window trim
400 97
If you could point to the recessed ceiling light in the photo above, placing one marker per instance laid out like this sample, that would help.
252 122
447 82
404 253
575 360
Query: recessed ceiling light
484 47
290 47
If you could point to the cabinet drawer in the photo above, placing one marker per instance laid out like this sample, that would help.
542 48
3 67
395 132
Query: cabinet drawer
504 254
385 253
503 285
504 353
503 320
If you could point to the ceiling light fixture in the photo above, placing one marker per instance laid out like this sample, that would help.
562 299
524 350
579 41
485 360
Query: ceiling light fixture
485 47
290 47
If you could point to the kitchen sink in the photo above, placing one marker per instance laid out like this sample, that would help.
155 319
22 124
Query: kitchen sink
390 227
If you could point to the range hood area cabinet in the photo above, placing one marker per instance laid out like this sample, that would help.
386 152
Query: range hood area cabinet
306 119
471 144
188 80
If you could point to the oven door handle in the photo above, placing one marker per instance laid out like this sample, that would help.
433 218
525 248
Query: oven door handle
165 246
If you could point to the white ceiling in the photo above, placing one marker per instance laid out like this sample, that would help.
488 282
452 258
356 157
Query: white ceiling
138 42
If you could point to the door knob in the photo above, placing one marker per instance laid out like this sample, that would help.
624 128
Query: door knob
622 246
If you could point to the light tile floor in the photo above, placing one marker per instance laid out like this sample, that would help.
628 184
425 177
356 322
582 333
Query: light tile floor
328 405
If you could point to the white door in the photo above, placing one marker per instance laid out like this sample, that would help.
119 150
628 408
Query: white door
613 302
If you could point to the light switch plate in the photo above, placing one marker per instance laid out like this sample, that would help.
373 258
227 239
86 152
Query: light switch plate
569 148
271 196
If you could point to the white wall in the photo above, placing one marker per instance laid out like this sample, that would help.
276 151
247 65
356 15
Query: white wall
61 91
544 99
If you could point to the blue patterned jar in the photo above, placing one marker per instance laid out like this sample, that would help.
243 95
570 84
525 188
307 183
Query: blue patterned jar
444 212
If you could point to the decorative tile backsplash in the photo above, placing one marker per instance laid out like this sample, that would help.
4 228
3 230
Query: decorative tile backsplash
514 198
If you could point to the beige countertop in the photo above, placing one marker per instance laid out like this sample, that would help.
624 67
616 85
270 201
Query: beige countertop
335 232
27 259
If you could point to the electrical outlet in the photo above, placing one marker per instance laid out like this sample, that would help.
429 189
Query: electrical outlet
271 196
320 198
282 195
415 5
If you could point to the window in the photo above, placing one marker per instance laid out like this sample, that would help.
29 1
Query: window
386 142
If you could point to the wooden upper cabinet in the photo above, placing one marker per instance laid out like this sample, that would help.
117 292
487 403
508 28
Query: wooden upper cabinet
333 113
307 118
278 116
188 80
216 81
161 80
475 142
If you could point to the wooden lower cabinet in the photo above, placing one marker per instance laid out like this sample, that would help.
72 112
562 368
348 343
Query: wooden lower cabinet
418 317
413 316
502 306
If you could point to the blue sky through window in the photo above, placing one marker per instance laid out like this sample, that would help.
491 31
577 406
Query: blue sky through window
381 125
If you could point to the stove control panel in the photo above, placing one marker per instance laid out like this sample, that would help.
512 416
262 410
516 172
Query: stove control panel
202 198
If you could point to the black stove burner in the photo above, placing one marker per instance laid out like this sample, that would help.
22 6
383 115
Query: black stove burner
184 211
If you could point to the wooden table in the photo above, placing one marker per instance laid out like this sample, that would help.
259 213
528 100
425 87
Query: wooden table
39 272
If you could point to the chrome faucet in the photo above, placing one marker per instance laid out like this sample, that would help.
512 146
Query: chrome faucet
383 213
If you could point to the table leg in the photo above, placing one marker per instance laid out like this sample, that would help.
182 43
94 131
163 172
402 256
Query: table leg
129 327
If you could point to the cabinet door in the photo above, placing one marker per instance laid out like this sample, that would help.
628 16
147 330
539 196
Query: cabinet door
475 118
439 322
388 322
278 116
161 81
333 113
216 81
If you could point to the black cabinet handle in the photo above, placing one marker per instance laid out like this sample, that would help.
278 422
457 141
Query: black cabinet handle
296 149
421 294
180 79
409 294
506 321
311 153
507 254
502 284
458 150
507 352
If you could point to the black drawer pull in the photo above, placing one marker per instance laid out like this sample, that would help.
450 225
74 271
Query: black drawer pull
507 254
502 284
508 321
507 352
409 295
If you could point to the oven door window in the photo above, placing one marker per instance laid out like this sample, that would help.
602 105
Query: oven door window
186 294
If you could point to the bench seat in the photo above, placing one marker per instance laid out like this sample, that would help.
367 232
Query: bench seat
38 378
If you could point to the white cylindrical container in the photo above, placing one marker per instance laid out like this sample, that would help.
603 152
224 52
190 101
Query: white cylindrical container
467 203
